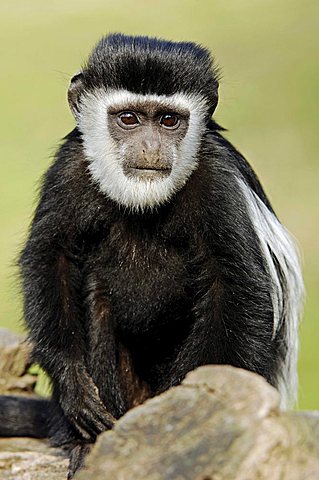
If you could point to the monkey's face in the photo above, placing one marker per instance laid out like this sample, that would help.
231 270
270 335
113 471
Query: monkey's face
141 149
148 135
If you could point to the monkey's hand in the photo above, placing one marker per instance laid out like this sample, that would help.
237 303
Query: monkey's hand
83 407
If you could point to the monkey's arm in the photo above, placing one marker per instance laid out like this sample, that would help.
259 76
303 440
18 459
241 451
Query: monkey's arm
51 276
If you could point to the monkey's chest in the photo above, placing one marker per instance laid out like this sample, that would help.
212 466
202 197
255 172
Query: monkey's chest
145 285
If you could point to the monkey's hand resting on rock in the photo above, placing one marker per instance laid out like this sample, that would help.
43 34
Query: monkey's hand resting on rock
83 407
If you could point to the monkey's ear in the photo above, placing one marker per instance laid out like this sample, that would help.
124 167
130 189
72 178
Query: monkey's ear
74 92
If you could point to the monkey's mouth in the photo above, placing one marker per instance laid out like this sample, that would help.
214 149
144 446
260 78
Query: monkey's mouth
148 173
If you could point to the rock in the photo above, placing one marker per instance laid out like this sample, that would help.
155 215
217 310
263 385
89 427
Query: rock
14 362
30 459
24 458
222 423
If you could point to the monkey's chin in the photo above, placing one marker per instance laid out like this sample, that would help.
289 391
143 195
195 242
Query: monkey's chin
148 174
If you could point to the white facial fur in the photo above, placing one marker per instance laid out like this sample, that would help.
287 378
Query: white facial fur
287 292
104 155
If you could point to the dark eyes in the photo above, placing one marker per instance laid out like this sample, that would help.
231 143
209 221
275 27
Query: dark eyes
128 119
169 121
131 120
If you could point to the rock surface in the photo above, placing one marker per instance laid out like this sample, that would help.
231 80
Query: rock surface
14 363
24 458
222 423
31 459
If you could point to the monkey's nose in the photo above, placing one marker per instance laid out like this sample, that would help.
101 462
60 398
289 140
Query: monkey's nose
151 146
151 156
150 152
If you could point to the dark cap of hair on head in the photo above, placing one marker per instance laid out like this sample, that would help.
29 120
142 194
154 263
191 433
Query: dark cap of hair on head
148 65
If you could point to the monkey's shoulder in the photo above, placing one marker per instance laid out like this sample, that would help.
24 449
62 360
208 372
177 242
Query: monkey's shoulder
226 161
67 188
69 168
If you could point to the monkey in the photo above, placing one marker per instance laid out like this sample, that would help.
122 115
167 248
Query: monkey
153 249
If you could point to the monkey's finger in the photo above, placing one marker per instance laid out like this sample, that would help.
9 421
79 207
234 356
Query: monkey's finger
96 421
85 428
98 409
82 430
89 424
104 417
83 424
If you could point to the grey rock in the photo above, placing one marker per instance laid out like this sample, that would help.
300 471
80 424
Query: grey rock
30 459
14 362
222 423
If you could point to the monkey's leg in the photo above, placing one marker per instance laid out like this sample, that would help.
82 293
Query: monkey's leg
110 362
103 351
232 326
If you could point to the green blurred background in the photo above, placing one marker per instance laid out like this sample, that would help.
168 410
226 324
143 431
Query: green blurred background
269 101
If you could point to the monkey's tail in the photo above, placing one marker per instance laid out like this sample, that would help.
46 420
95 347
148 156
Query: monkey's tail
24 416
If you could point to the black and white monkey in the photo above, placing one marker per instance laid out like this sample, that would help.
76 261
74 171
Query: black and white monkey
153 249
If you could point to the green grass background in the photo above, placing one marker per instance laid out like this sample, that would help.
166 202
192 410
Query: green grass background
269 101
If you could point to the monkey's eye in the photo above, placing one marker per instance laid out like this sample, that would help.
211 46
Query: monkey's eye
128 119
170 121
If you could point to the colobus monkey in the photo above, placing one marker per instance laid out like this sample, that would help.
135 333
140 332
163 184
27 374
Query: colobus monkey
153 249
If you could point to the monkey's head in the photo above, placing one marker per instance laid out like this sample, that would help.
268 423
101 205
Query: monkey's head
142 106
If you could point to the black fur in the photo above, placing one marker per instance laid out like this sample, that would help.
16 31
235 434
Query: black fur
24 416
149 65
119 305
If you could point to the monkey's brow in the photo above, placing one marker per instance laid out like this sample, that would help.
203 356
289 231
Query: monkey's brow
147 107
